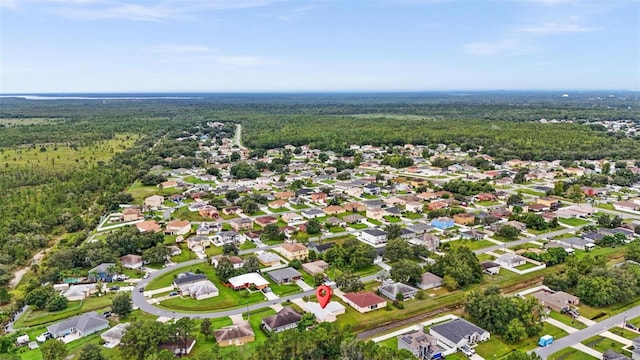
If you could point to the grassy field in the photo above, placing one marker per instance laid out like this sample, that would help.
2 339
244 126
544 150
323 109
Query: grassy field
62 155
567 320
573 221
602 344
530 192
140 192
570 354
471 244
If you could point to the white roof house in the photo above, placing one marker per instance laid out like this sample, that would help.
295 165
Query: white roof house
328 314
113 336
246 280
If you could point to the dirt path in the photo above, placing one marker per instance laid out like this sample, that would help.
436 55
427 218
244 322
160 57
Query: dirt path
37 258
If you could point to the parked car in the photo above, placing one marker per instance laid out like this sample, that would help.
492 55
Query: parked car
44 337
467 350
141 289
631 326
107 314
173 293
114 288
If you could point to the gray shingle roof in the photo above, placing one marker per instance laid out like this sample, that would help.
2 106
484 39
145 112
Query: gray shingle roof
284 274
285 317
457 329
82 323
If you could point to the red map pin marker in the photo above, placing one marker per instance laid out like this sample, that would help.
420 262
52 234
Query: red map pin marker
323 293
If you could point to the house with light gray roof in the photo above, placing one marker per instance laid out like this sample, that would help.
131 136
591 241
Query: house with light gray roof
83 325
458 333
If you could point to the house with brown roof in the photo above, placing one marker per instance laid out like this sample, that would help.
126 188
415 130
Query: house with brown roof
437 205
556 300
240 224
546 200
278 204
365 301
486 197
283 195
293 251
131 261
235 335
334 210
354 206
178 227
153 201
265 220
286 319
315 267
131 214
148 226
319 197
464 219
374 213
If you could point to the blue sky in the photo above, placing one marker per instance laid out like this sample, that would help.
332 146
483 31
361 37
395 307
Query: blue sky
346 45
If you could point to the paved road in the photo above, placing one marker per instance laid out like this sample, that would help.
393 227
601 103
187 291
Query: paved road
237 139
593 330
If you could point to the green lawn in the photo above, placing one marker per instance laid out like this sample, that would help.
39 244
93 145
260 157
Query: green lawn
195 180
570 354
487 203
412 215
358 226
336 229
390 343
573 221
625 333
300 207
392 219
526 266
530 192
184 214
471 244
602 344
374 221
567 320
493 348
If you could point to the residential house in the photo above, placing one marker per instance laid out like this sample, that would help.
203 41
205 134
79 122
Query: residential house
285 276
612 355
227 237
79 292
148 226
286 319
248 280
240 224
511 260
354 206
486 197
293 219
334 221
394 201
283 195
490 267
315 267
443 223
154 201
371 189
178 348
355 192
437 205
199 290
375 213
293 251
278 204
577 243
464 219
178 227
198 243
321 248
265 220
635 353
458 333
415 207
236 261
392 290
334 210
556 300
131 261
626 205
419 228
269 259
209 212
234 335
82 325
422 346
538 208
429 281
131 214
473 234
319 197
364 301
547 201
206 228
373 236
104 272
327 314
354 218
312 213
430 241
113 336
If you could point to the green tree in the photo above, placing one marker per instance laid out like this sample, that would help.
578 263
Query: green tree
515 331
157 254
58 303
508 232
271 232
313 227
232 195
406 271
230 249
251 264
91 352
393 231
349 282
53 349
225 270
461 264
121 304
250 207
205 328
397 249
181 331
142 339
633 251
40 297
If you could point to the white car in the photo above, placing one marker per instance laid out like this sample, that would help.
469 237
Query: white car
467 350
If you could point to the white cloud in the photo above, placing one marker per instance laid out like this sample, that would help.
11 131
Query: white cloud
506 47
556 28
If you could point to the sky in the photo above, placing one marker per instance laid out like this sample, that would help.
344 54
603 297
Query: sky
330 45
